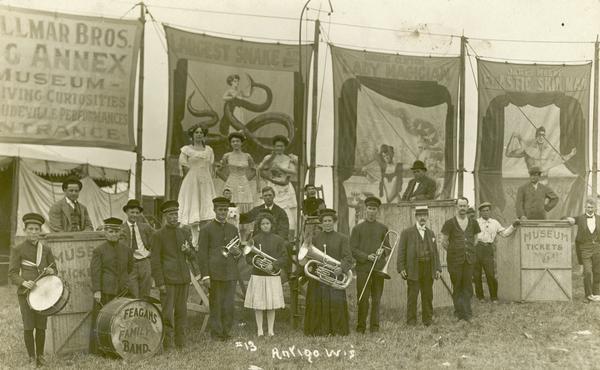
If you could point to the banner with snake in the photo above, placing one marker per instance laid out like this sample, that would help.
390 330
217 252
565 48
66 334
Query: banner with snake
228 86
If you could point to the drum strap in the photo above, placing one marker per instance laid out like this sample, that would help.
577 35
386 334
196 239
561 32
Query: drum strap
38 256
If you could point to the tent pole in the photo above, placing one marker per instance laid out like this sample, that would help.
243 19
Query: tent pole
595 123
14 219
312 169
140 114
461 118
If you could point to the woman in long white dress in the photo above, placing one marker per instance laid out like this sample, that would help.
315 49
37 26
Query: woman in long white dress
197 188
237 169
278 169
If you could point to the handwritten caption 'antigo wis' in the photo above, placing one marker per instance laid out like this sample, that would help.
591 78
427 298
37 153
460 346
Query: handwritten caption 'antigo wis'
293 352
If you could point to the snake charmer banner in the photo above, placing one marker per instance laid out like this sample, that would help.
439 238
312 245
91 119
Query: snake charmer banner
67 79
228 86
532 115
391 110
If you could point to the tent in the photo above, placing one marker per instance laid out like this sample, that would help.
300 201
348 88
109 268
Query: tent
33 185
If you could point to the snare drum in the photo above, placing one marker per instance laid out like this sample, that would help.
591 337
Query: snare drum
49 295
130 328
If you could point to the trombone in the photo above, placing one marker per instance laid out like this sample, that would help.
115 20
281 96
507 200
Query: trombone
384 271
227 250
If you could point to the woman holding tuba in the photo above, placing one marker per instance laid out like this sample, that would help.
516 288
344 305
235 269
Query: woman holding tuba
267 254
326 307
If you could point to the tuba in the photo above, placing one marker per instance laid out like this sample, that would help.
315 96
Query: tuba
260 259
226 251
320 267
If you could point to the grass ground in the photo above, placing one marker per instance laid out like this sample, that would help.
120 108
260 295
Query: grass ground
503 336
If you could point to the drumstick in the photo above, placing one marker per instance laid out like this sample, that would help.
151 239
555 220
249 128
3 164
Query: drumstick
41 274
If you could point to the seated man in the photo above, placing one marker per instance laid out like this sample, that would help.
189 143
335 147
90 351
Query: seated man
311 205
68 215
421 187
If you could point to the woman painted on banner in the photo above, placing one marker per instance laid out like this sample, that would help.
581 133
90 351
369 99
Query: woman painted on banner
278 170
197 188
391 175
234 92
326 307
237 168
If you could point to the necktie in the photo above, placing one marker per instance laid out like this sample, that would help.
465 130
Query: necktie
76 217
134 244
588 216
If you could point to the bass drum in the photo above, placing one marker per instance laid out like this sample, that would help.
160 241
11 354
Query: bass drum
49 296
130 328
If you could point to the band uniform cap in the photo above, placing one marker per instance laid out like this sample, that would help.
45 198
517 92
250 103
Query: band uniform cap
418 165
372 201
169 206
71 180
33 218
535 170
133 203
485 204
420 210
327 212
221 201
112 223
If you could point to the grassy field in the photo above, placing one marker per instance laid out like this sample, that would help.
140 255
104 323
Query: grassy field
504 336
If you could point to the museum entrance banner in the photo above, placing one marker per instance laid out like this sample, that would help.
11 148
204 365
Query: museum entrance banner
532 115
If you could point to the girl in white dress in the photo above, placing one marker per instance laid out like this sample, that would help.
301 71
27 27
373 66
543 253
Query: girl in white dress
197 188
279 170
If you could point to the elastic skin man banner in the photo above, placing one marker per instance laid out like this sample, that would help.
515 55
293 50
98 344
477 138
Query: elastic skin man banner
67 79
532 116
391 110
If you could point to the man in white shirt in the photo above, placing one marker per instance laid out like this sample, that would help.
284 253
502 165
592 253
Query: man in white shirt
137 236
484 251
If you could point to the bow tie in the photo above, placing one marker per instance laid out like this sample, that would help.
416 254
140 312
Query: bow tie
421 228
588 216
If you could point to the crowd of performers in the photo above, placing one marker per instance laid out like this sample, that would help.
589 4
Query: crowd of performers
197 234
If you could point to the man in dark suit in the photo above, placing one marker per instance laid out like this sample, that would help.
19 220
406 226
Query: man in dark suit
172 248
420 187
68 214
534 199
282 224
137 236
419 264
587 245
219 272
111 264
311 205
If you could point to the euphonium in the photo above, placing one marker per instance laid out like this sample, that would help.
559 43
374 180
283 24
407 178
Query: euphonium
260 260
321 267
226 250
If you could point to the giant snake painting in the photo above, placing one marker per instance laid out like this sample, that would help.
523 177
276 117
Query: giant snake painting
211 118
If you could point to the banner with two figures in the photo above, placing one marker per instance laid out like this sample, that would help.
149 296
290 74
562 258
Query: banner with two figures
532 115
391 110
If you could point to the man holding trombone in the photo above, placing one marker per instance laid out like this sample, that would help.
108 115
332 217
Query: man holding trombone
370 247
419 264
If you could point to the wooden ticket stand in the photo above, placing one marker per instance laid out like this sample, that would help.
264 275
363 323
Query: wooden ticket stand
397 217
69 330
534 264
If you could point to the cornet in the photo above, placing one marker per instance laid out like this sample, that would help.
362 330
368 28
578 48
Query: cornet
321 267
261 260
226 251
384 271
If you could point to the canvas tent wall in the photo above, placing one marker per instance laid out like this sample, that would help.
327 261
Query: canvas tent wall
33 185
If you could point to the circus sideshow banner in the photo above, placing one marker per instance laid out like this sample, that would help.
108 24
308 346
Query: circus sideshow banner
391 110
532 116
229 86
67 79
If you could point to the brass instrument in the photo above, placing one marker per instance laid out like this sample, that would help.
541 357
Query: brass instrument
384 271
261 260
321 267
226 251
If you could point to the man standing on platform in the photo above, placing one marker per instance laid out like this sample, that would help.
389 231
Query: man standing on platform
535 199
484 251
420 187
171 249
219 272
29 260
137 236
459 237
587 245
282 224
419 264
365 241
111 264
68 215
